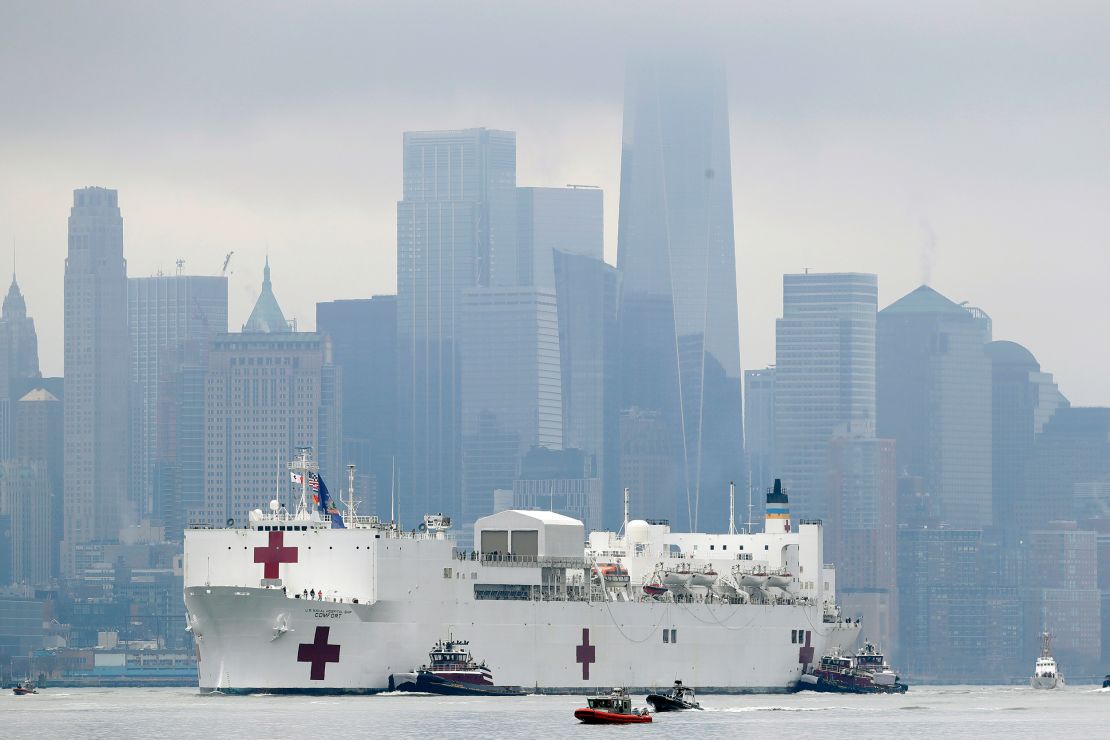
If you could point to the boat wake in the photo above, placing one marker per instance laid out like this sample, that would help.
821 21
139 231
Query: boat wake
778 709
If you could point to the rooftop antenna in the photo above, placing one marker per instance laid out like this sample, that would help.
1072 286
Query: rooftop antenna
180 266
627 501
351 491
732 507
393 492
750 506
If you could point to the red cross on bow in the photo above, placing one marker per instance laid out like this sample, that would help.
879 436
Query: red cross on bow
319 653
274 555
585 653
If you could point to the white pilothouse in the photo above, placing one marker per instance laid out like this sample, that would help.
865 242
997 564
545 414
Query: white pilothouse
328 603
1046 674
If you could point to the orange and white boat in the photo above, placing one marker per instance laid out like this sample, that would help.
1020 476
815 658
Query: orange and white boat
613 709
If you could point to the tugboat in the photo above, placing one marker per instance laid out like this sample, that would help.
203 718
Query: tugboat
677 699
1046 674
451 671
866 673
23 688
613 709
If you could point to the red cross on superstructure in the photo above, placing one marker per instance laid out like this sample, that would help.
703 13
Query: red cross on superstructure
319 653
805 653
274 554
585 654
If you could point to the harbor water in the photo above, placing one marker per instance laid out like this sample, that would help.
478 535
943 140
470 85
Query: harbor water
948 712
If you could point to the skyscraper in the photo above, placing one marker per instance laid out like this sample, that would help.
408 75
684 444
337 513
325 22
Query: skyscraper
679 324
759 432
364 344
19 361
586 291
172 320
1072 452
1023 401
824 375
456 229
96 373
39 442
861 485
511 388
934 398
268 391
568 220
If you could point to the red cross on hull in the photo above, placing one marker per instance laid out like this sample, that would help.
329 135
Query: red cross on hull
274 554
805 653
585 654
318 653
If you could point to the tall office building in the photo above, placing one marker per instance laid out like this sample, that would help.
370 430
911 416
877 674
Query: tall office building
457 219
646 457
586 291
96 373
172 321
679 325
363 336
1023 401
759 434
19 361
1069 456
862 488
567 220
39 441
942 610
511 388
268 391
1062 596
934 398
824 375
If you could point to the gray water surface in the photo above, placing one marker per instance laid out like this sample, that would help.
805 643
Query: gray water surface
948 712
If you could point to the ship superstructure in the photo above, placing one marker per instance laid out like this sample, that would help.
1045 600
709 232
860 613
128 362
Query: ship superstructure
1046 674
326 603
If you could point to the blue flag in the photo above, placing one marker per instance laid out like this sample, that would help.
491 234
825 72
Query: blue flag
327 506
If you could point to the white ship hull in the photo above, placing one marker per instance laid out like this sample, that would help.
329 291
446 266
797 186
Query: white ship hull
289 604
254 640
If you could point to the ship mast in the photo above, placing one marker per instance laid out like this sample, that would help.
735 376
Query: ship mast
732 507
302 466
351 491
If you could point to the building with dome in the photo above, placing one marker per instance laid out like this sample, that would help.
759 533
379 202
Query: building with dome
268 391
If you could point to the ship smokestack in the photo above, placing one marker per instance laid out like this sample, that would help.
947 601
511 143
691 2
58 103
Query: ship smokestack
778 510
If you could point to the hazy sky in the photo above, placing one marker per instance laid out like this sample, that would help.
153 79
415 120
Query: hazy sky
960 143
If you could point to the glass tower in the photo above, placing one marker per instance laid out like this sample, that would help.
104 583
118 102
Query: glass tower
456 230
680 349
824 375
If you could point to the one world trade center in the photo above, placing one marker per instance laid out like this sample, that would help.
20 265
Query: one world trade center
680 353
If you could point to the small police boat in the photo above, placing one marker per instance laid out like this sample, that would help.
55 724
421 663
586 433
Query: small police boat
613 709
677 699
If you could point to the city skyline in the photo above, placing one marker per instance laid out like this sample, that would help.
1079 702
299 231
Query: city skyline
823 184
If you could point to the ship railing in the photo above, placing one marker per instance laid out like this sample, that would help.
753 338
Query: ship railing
523 561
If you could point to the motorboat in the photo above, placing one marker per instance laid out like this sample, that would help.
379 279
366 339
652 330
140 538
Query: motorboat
677 699
614 708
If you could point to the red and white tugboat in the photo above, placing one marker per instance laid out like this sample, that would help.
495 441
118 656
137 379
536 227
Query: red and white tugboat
451 670
612 709
866 673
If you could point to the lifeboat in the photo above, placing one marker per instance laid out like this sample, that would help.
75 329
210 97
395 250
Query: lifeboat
613 709
780 580
654 590
613 572
753 580
676 579
705 578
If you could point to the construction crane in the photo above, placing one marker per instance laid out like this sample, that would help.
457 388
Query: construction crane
227 260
